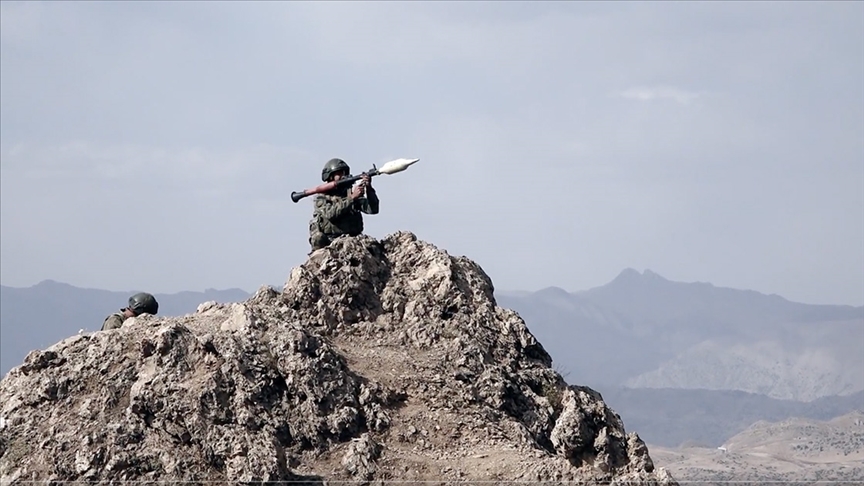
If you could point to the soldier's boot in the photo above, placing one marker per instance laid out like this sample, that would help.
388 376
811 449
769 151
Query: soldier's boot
318 241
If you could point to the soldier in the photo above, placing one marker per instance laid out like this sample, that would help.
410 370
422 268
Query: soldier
338 212
140 303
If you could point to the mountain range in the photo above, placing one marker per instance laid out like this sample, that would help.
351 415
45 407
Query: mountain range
683 361
697 336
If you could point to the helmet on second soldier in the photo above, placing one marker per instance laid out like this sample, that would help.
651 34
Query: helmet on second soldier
334 165
143 302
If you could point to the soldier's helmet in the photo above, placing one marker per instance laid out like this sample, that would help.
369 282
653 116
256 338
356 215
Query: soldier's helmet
143 302
334 165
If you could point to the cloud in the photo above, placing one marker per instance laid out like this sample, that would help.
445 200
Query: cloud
659 93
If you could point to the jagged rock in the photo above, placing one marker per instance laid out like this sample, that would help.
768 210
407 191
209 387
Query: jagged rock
379 360
361 456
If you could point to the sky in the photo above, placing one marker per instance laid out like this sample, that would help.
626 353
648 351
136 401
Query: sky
155 145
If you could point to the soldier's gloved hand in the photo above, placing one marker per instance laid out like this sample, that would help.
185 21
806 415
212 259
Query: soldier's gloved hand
367 181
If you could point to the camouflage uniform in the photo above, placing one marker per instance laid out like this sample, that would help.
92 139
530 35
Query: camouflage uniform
336 215
140 303
114 321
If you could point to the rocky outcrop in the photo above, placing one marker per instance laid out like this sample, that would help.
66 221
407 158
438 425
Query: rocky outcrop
379 360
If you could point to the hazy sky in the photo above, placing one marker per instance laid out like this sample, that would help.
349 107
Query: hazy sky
155 145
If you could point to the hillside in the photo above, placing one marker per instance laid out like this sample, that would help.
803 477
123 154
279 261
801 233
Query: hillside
673 417
378 361
794 450
801 362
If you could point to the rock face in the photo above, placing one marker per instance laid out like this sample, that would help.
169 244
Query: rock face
379 361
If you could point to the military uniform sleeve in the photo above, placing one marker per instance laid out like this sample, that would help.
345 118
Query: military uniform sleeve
332 208
112 322
369 204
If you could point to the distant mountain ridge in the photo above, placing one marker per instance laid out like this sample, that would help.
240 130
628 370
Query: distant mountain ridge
697 336
38 316
650 295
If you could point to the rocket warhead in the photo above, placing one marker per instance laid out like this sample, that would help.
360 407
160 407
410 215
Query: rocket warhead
397 165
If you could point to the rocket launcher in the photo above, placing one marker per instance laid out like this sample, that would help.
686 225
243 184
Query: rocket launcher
391 167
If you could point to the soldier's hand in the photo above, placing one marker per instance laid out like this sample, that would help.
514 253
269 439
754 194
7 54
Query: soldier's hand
358 191
367 181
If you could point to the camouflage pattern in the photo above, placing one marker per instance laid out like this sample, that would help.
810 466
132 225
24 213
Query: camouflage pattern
336 215
114 321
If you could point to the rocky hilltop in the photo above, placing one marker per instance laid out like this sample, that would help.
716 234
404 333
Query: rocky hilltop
378 361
